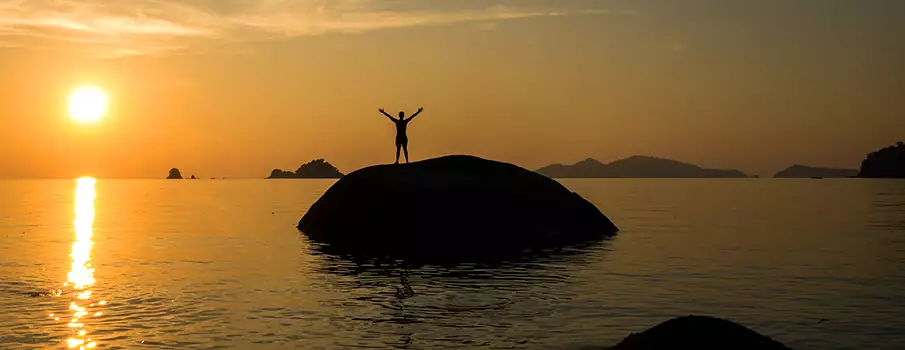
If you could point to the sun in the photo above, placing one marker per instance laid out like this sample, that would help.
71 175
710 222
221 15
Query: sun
87 104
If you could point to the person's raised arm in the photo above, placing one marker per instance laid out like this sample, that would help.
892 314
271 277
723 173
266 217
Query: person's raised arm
385 113
416 114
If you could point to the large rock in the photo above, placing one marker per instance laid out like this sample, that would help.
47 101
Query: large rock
454 205
699 332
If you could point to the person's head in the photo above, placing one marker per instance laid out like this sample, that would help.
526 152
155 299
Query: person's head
401 115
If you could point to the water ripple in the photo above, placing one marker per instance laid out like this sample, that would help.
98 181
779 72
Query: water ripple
217 264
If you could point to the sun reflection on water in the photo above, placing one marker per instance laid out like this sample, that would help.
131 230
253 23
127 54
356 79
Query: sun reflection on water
81 276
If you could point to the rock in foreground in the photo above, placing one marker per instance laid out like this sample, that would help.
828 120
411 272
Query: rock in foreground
699 332
454 205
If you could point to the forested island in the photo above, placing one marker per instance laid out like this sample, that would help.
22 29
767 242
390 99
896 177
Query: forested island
315 169
888 162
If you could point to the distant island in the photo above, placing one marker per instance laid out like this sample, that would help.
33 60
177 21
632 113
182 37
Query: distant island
888 162
174 174
315 169
805 172
636 167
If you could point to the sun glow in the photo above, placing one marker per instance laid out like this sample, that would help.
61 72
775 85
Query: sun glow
87 104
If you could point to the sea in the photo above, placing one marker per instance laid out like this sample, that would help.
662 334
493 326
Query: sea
217 264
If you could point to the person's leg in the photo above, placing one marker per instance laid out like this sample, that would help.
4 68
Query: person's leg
405 148
397 153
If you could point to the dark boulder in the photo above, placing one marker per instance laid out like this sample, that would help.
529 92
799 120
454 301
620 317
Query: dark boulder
451 206
699 332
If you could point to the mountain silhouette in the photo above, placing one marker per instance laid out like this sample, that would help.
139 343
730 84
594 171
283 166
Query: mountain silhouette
804 171
888 162
315 169
635 167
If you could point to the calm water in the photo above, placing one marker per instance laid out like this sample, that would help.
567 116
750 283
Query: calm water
218 264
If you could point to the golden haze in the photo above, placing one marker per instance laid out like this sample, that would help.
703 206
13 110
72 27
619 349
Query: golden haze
595 79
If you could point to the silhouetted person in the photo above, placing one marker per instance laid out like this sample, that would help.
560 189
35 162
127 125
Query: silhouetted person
402 141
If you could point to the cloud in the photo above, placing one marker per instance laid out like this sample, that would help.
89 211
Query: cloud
100 28
136 27
487 26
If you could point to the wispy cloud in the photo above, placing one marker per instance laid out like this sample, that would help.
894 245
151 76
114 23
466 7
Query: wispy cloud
136 27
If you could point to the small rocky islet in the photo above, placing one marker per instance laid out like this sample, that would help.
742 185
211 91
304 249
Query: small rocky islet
315 169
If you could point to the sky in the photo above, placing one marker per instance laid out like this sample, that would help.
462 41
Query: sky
236 88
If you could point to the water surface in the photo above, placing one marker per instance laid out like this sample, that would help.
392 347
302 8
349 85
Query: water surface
154 264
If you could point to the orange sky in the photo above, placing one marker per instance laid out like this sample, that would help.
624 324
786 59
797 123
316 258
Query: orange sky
237 88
